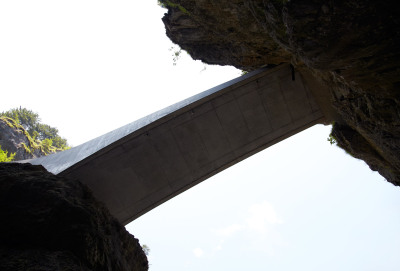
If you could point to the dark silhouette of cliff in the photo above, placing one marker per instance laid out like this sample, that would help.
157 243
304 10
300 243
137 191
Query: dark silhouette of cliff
52 223
351 47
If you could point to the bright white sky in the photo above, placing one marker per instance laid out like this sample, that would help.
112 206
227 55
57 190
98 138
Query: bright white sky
88 67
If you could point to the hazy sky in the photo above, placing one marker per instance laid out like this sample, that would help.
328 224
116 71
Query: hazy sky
88 67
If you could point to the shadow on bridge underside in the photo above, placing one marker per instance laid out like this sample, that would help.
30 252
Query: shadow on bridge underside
139 166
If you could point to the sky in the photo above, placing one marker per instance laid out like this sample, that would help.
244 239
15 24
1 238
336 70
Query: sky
88 67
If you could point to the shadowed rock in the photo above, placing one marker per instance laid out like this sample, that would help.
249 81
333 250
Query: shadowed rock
53 223
350 46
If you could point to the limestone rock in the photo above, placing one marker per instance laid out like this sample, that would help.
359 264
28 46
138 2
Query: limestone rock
351 46
53 223
13 139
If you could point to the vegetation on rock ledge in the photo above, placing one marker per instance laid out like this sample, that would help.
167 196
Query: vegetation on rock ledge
41 137
4 157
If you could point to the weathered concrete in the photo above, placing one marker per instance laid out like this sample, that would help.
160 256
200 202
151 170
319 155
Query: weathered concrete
143 164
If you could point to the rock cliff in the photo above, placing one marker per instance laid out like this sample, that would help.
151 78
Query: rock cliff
351 47
50 223
15 139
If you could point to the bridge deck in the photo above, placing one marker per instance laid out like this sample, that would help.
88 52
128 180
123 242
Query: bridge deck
141 165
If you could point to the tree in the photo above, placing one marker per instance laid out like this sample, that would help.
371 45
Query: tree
38 131
27 118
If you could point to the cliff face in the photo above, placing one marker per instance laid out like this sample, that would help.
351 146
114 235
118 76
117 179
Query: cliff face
13 137
352 47
50 223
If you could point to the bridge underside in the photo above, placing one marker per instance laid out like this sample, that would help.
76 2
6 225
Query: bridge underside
143 164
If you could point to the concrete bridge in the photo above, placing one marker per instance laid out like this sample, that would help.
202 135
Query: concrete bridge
141 165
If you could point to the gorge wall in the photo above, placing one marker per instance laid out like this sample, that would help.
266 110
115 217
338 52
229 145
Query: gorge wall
51 223
351 47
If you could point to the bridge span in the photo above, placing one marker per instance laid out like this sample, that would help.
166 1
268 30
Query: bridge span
139 166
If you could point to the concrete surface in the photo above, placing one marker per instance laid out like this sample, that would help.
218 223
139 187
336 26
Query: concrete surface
141 165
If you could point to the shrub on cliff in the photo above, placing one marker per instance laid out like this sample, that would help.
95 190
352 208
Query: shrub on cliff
37 130
4 157
16 138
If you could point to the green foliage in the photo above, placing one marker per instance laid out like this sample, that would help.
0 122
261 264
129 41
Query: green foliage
176 54
167 3
15 125
40 136
161 4
47 145
61 143
30 121
27 118
4 157
331 138
27 148
146 249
